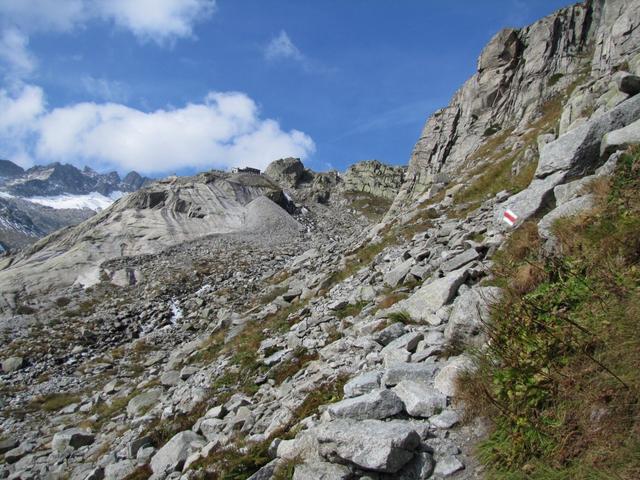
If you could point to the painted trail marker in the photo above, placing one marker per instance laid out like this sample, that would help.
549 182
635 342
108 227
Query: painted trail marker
509 217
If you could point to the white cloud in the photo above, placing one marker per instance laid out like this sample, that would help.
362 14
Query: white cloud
282 48
14 54
224 130
158 20
19 117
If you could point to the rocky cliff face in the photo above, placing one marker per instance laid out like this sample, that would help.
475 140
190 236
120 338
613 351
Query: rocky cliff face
519 72
375 178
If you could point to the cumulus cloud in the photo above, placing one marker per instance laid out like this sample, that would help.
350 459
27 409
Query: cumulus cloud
224 130
157 20
15 57
281 48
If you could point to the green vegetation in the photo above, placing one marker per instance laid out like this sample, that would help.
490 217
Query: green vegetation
560 378
351 310
371 206
401 317
54 401
554 79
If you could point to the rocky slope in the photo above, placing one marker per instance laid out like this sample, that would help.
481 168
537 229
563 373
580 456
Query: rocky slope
330 352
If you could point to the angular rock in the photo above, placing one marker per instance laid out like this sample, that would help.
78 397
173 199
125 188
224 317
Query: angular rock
141 403
620 139
73 438
389 334
12 364
8 444
471 311
408 341
416 372
369 444
445 381
321 471
174 453
460 260
432 296
420 400
396 275
418 468
364 383
119 470
447 466
379 404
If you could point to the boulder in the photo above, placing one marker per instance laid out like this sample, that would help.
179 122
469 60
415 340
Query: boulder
470 312
364 383
420 400
415 372
445 381
447 466
119 470
460 260
379 404
620 139
174 453
321 471
12 364
8 444
71 438
288 172
369 444
397 274
408 341
141 403
390 333
628 83
420 467
432 296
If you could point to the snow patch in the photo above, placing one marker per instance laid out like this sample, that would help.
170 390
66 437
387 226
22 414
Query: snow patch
93 201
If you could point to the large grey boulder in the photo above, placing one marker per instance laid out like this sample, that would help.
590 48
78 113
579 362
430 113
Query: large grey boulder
620 139
321 471
12 364
415 372
71 438
379 404
419 399
141 403
397 274
175 452
470 312
420 467
432 296
369 444
364 383
288 172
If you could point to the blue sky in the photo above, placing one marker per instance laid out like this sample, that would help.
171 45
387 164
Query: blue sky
165 86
